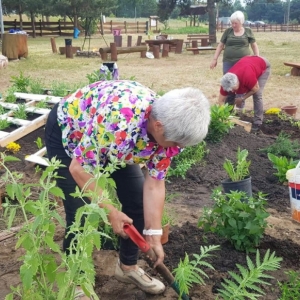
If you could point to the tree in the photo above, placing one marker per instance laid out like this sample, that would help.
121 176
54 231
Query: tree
165 8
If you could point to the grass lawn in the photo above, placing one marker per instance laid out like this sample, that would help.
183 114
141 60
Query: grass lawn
162 74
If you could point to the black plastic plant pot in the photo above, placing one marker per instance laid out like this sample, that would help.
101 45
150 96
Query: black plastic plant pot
244 185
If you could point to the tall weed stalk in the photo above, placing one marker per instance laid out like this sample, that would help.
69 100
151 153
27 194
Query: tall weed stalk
47 272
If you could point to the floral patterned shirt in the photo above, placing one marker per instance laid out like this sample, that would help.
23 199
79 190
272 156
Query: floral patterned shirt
108 119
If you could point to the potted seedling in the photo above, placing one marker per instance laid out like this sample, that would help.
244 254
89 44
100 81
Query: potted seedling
239 175
166 222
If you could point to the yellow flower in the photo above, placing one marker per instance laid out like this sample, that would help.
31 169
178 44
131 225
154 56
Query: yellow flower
273 111
13 147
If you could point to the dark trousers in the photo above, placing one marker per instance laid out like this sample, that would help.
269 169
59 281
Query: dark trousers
129 183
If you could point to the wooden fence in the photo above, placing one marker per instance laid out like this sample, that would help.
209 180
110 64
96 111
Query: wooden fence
61 28
267 27
125 27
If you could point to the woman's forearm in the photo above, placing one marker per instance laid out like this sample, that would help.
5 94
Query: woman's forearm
153 197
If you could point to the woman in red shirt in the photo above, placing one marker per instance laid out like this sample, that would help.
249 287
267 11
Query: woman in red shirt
247 78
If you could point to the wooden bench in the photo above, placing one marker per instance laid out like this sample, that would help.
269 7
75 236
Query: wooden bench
196 50
114 51
204 39
295 71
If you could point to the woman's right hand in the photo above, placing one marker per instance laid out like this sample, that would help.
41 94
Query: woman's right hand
117 220
213 63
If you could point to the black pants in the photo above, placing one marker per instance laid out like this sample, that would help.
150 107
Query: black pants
129 182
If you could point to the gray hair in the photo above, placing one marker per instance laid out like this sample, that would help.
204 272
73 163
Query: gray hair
185 115
228 81
238 16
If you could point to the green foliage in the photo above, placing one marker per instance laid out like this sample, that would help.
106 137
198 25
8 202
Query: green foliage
35 86
246 284
187 30
290 289
189 271
186 159
20 112
10 95
220 123
241 222
42 104
20 83
2 110
97 76
283 146
52 274
282 164
4 124
59 89
39 143
241 169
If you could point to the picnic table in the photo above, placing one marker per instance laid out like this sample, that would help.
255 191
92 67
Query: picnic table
175 44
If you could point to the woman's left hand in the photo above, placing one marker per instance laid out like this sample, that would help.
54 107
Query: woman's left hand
155 244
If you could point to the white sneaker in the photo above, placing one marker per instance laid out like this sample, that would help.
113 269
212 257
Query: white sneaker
141 279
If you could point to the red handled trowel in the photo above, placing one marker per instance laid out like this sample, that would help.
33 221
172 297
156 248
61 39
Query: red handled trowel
138 239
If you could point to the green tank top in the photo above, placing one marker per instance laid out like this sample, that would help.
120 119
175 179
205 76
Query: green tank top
236 47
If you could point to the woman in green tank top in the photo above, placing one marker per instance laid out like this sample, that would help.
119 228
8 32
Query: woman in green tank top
235 42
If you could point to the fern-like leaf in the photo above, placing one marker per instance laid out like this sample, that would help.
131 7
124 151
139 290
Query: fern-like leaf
188 272
245 285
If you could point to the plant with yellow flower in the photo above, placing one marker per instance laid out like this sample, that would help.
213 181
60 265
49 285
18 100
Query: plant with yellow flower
13 147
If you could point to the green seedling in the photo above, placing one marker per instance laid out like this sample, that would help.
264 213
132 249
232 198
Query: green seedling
20 112
190 272
4 124
39 143
247 284
239 170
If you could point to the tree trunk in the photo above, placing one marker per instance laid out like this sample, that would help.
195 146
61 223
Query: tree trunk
20 17
33 24
212 19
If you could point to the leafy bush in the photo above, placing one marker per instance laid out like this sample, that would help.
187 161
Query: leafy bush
282 164
291 288
186 159
246 285
241 169
241 222
283 146
20 83
220 123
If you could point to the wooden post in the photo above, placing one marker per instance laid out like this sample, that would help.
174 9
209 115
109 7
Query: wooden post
165 50
41 31
59 27
143 53
195 45
204 42
118 40
129 40
69 51
114 53
53 45
139 40
156 51
178 49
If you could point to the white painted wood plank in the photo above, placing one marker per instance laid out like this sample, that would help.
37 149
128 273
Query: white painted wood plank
3 134
37 97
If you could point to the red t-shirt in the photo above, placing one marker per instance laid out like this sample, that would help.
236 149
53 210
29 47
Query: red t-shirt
248 69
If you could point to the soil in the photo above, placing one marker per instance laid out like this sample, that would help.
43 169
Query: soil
190 196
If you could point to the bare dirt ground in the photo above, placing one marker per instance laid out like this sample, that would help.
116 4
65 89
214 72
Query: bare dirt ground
192 194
